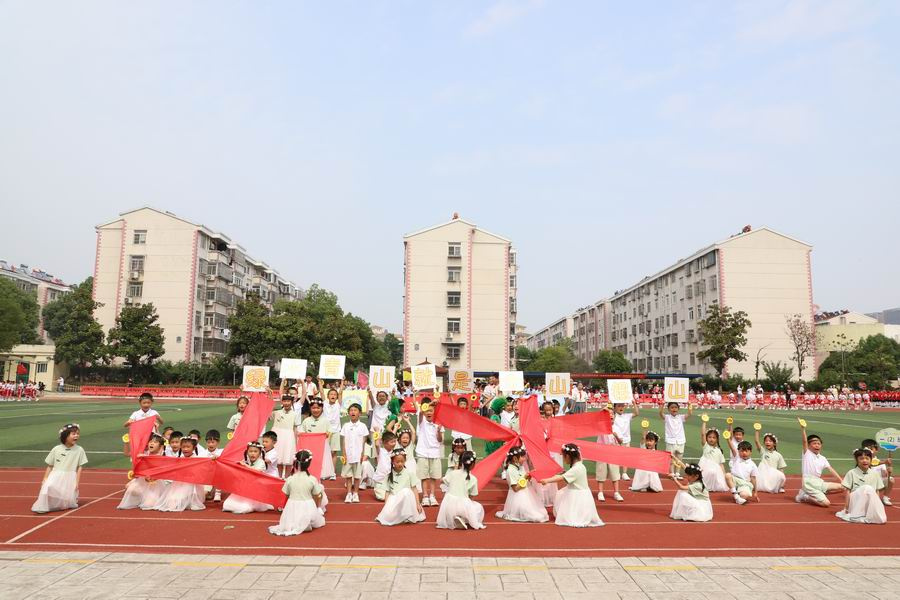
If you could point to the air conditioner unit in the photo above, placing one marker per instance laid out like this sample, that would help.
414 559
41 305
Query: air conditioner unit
128 300
210 302
449 336
203 355
210 277
135 275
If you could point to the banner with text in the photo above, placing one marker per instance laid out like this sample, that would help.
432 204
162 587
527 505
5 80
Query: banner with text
331 366
381 379
293 368
558 385
676 390
512 381
620 391
462 381
424 377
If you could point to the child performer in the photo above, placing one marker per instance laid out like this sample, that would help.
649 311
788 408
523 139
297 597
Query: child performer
173 443
743 476
463 403
523 500
621 427
145 402
814 488
383 469
692 500
332 412
675 439
180 495
242 403
605 470
861 486
239 505
141 491
401 498
647 481
574 505
429 444
283 422
353 439
884 468
213 437
316 422
712 462
458 510
269 439
59 488
771 465
458 449
304 492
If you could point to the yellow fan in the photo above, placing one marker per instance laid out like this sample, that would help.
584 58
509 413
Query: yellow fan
376 436
130 475
802 422
229 435
729 420
125 438
473 397
726 434
645 423
704 418
757 426
875 461
343 460
523 482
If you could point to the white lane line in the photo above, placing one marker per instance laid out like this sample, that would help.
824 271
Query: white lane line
62 516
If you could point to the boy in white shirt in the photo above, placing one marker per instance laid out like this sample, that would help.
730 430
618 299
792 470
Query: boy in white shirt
675 438
814 488
269 439
145 412
383 468
353 442
429 444
621 428
742 479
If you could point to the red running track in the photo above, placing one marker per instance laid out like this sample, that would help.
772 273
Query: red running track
638 527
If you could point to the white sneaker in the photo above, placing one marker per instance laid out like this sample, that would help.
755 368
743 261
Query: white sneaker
217 497
362 485
601 497
355 498
426 501
348 498
432 500
781 491
625 477
460 523
886 501
739 500
800 497
618 497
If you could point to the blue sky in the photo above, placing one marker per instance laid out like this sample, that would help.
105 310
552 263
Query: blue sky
605 139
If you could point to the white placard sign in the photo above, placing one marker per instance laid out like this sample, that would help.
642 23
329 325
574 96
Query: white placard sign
676 389
620 391
424 377
461 381
512 381
331 366
381 379
557 385
293 368
256 379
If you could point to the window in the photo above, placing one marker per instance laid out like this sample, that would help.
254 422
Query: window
137 263
135 290
211 268
200 292
198 319
668 323
674 318
512 281
41 367
208 320
454 298
452 351
692 359
713 283
219 321
689 292
691 313
140 236
512 305
454 274
454 249
452 325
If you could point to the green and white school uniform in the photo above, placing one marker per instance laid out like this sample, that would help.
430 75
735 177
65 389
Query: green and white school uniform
813 485
59 491
865 505
300 512
710 463
771 477
400 505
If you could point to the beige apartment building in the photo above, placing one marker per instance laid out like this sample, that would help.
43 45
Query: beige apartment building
193 275
459 303
45 287
654 322
550 335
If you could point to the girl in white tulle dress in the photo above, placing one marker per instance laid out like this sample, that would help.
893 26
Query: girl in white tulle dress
692 499
712 461
253 458
524 501
59 489
143 491
458 510
303 511
401 494
771 476
180 495
647 481
283 422
574 505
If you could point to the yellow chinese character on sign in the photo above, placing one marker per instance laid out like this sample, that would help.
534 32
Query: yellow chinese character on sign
423 379
381 379
677 391
557 386
460 381
619 391
256 378
331 366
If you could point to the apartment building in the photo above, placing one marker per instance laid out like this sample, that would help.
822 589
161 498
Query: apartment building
193 275
551 334
841 331
654 322
45 287
459 303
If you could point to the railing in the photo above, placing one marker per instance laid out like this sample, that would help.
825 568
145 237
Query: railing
123 391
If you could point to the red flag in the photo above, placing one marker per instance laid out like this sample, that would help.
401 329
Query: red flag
362 380
315 443
638 458
458 419
254 420
138 435
188 470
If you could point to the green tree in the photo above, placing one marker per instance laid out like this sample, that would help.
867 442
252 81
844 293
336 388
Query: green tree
559 358
252 336
777 374
394 349
136 336
724 333
611 361
875 360
19 316
69 320
524 356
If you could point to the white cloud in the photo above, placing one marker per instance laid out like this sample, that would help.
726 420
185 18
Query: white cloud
802 20
500 15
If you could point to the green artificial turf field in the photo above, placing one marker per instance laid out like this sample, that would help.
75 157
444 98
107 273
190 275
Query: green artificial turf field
29 430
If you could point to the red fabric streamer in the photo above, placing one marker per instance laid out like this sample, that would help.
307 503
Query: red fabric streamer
139 434
485 469
638 458
315 443
532 432
252 422
188 470
581 425
458 419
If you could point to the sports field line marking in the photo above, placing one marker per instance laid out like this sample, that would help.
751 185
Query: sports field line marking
842 424
54 519
75 412
765 550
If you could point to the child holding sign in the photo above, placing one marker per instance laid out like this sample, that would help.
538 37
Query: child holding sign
675 438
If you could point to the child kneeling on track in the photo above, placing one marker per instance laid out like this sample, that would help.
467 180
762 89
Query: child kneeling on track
238 504
814 488
458 510
771 465
181 495
574 505
143 492
743 476
692 500
861 486
647 481
59 488
884 468
523 500
712 462
401 498
303 511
